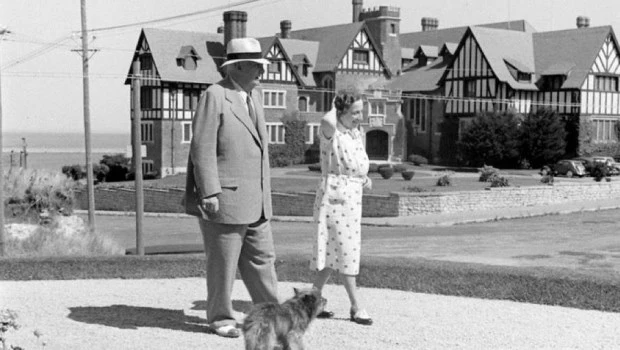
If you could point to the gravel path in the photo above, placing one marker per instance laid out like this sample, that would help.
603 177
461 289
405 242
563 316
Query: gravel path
169 314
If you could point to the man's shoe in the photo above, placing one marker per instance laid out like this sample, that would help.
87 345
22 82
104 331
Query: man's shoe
325 314
228 331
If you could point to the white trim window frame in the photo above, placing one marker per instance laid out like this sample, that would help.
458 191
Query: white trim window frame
146 132
274 99
147 166
304 98
186 132
376 108
312 131
276 133
604 130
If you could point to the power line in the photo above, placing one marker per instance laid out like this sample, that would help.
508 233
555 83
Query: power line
165 19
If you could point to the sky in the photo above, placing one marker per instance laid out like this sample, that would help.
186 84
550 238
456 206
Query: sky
41 74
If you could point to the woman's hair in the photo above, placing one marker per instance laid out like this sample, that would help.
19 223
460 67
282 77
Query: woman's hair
345 98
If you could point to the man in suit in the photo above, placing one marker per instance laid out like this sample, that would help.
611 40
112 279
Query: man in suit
228 186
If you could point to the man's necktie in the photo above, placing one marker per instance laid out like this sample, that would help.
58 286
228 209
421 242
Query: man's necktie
251 110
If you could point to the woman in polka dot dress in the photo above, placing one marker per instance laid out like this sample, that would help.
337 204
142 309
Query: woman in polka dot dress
338 204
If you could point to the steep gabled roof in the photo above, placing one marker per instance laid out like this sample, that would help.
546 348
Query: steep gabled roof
501 46
165 46
427 51
334 41
310 49
421 78
448 49
569 52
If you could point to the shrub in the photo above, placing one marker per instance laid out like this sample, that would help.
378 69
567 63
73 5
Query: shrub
543 137
547 179
278 156
491 138
314 167
487 172
407 174
399 168
118 167
386 172
445 180
600 171
30 193
417 159
499 181
75 171
294 137
373 168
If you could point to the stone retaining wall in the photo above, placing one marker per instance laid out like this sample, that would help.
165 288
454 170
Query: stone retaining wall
392 205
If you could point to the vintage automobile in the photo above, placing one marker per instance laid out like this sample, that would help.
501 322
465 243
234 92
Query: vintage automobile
569 168
609 161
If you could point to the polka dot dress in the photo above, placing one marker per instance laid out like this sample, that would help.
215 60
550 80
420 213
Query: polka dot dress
338 203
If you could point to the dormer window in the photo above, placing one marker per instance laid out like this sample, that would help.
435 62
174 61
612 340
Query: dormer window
552 82
188 58
518 71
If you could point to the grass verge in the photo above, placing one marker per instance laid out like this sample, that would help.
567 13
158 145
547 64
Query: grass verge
538 286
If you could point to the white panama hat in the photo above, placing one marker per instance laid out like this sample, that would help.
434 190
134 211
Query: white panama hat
244 49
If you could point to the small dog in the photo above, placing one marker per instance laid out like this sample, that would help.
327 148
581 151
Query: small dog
270 325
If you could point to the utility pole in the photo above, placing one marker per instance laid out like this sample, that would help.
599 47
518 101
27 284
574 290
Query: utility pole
89 163
3 31
137 153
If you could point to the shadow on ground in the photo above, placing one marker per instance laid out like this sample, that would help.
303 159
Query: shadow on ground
134 317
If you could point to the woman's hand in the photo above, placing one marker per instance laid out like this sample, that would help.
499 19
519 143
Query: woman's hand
367 183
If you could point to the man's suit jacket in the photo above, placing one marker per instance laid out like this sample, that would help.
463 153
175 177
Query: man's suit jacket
229 157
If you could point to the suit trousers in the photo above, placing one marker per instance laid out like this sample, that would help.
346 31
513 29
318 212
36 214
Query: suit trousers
228 246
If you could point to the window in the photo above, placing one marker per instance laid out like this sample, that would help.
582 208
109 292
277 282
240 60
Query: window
146 132
302 103
186 132
469 88
147 166
147 97
419 109
360 56
312 131
276 132
376 108
552 82
190 99
605 130
392 28
606 83
274 98
305 70
524 76
146 61
275 67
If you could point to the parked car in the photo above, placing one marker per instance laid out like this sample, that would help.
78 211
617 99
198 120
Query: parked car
569 168
588 163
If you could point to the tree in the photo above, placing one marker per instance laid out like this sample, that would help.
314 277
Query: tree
492 139
543 137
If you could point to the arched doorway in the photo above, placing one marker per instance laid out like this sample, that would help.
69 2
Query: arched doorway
377 146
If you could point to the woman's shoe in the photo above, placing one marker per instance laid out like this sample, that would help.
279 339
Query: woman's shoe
361 317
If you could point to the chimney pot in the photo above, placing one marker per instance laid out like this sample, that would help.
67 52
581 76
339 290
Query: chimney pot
583 22
234 25
429 23
285 29
357 9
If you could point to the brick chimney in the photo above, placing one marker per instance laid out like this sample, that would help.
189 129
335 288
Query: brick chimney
429 23
234 25
285 29
583 22
357 9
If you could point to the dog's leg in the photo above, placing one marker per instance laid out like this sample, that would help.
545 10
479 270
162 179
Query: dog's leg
294 341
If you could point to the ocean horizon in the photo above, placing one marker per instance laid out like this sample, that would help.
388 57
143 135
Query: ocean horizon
52 151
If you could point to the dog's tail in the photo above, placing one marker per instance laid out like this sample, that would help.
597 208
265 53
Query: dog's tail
259 335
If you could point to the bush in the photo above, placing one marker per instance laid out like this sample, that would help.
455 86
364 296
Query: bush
445 180
295 138
543 138
30 193
78 172
399 168
315 167
499 181
407 174
491 138
118 167
386 172
600 171
487 172
278 156
547 179
373 168
417 159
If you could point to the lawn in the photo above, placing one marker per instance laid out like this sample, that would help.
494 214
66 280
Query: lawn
300 179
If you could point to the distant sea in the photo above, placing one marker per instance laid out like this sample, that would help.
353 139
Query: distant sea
54 150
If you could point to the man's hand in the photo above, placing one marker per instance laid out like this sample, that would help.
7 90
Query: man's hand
210 205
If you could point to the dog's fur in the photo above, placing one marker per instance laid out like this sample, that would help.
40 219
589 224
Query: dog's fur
270 325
